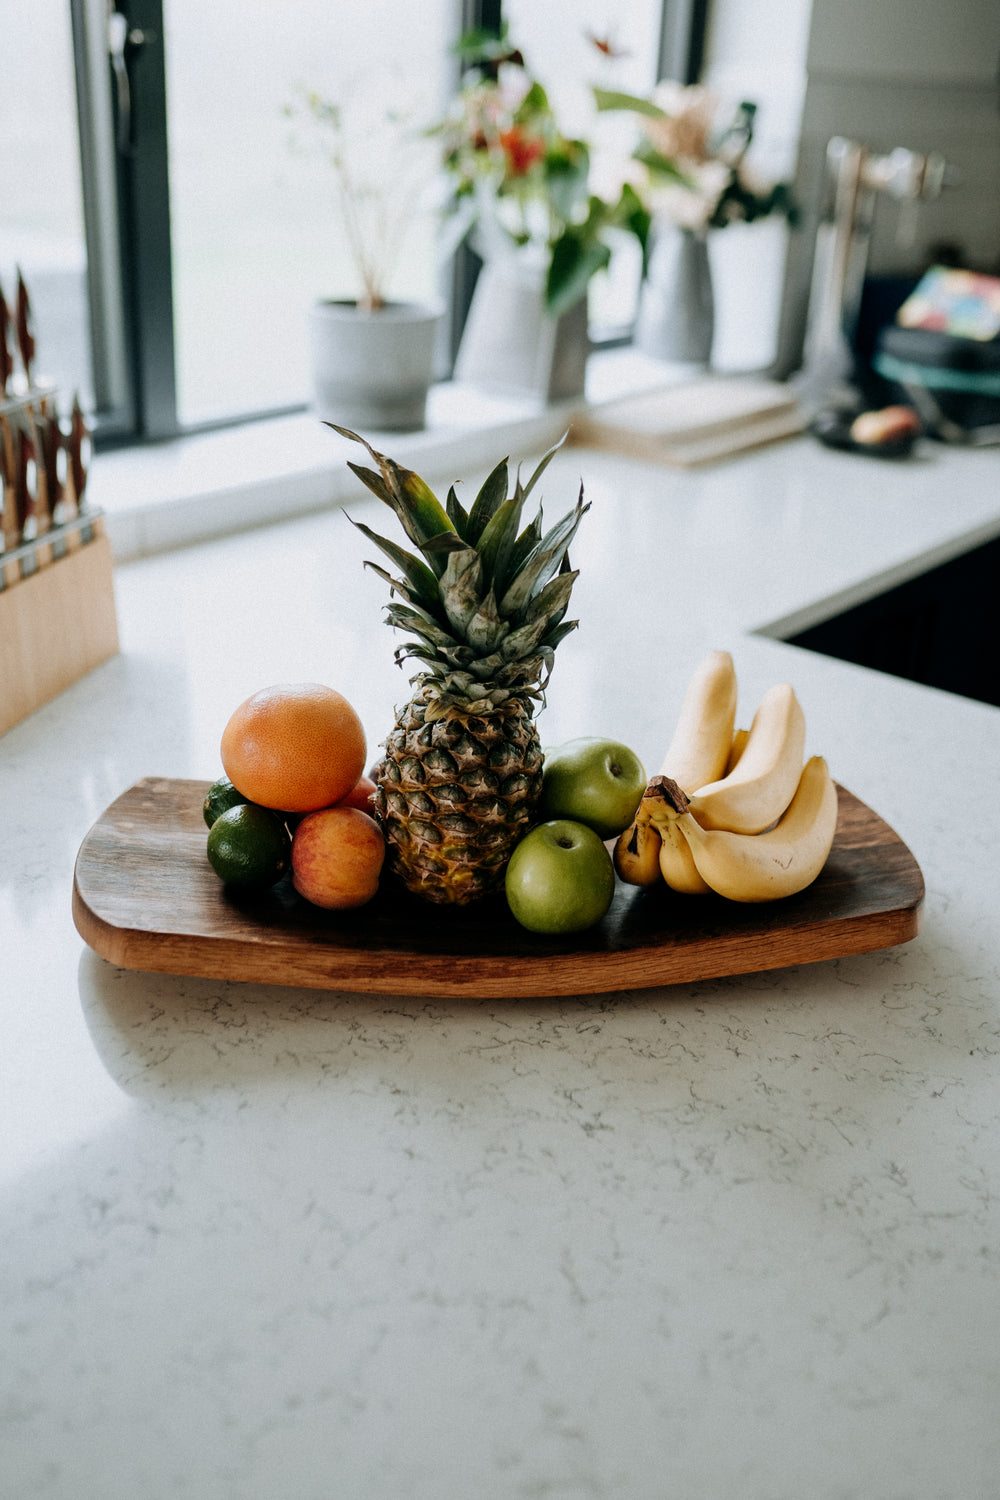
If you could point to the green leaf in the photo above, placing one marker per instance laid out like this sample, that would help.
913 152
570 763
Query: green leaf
517 598
445 541
396 585
662 166
543 465
567 173
490 497
374 481
461 587
524 640
632 214
535 102
410 651
559 633
525 545
607 99
486 629
545 561
422 503
499 536
480 42
420 512
415 622
573 263
416 572
487 668
457 514
551 601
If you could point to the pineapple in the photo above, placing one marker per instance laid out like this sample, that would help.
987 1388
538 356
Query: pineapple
484 606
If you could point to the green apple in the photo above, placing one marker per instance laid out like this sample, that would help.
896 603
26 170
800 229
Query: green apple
560 878
593 781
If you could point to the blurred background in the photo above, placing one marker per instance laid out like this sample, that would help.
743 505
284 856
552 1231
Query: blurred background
174 243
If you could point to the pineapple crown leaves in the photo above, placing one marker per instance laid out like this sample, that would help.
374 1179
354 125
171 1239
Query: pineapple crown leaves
486 598
420 513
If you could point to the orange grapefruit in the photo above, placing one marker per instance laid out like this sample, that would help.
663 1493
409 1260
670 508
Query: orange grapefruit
295 747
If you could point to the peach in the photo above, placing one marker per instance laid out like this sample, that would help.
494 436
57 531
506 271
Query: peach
337 856
361 795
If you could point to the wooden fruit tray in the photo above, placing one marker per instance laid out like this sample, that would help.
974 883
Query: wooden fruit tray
145 897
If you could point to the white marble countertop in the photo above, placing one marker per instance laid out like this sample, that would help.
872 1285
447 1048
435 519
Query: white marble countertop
734 1239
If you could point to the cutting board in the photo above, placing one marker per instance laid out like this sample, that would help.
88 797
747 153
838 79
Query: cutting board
698 422
145 897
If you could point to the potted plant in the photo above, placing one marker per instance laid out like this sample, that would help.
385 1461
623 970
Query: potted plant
695 180
372 357
522 188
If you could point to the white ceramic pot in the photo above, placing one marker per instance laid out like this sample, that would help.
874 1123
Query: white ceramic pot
512 346
676 317
372 370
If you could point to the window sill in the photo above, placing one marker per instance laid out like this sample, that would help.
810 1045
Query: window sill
169 495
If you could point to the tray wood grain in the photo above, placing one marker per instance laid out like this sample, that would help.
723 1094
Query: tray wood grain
145 897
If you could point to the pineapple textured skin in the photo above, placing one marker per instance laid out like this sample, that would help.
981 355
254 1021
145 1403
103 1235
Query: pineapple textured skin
454 796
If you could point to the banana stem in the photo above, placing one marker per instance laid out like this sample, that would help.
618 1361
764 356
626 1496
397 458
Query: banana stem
666 799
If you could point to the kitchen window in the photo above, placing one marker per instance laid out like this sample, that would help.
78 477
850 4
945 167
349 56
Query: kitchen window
171 224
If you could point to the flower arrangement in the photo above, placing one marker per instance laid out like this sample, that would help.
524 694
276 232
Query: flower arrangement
520 181
694 173
382 167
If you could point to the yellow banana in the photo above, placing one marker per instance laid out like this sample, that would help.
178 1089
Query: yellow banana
738 746
677 864
762 782
637 852
780 862
703 735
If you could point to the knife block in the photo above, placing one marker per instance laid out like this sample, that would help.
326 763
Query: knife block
57 603
57 622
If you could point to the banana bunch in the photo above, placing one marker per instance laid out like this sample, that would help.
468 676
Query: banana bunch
735 811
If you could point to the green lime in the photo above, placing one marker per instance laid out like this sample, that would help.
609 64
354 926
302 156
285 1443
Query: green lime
220 796
248 846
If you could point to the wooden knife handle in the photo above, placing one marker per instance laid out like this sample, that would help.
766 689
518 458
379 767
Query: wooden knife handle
6 356
24 325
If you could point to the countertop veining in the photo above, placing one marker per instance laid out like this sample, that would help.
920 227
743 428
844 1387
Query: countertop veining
733 1239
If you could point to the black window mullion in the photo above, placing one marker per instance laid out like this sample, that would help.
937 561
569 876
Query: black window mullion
145 218
476 15
114 414
683 30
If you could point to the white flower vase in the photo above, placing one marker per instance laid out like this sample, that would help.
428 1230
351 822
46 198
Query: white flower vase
512 346
676 317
